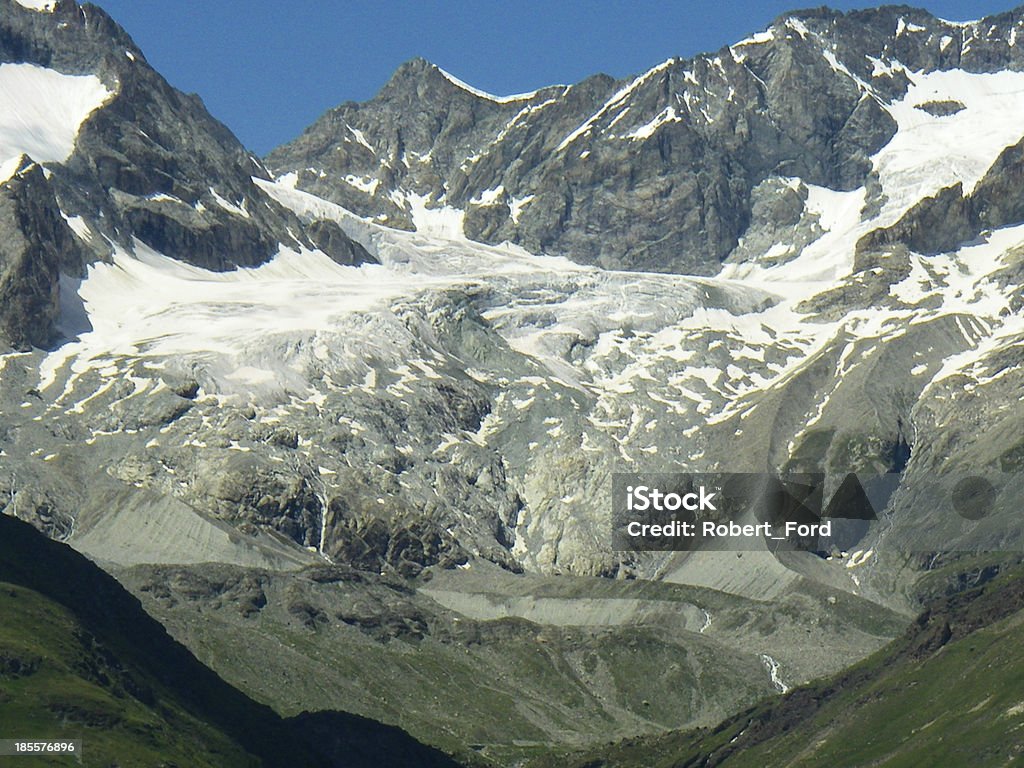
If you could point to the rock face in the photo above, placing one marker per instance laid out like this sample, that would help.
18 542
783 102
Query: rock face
35 245
663 165
151 164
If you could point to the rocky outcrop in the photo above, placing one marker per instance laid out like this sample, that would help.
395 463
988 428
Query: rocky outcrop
947 220
934 225
35 244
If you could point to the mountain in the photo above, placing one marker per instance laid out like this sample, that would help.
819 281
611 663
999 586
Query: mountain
855 171
127 157
80 659
669 167
345 420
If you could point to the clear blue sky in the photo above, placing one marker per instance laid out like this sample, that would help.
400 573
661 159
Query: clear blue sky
268 68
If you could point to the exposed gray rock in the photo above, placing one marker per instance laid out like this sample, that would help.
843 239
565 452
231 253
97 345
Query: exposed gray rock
152 163
698 137
35 244
942 108
950 218
934 225
779 220
996 200
547 170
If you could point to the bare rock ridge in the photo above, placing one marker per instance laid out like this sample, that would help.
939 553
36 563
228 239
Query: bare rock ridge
36 244
662 165
151 165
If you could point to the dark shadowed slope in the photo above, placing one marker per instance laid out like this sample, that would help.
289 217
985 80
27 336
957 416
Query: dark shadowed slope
79 658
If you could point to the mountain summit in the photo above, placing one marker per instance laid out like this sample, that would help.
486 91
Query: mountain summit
126 157
807 98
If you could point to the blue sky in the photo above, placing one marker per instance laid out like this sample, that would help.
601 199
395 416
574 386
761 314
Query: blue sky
268 68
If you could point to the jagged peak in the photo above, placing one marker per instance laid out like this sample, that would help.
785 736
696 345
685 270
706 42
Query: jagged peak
89 38
831 14
889 15
412 74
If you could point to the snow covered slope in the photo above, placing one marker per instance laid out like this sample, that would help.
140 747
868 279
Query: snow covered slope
818 345
41 110
45 6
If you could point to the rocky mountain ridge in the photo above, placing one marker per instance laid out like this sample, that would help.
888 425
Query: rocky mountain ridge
151 164
805 98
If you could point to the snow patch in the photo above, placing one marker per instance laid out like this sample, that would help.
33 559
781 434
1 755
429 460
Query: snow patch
758 38
41 111
8 168
361 138
707 621
518 203
798 26
43 6
614 101
824 261
444 222
881 68
859 558
644 132
929 152
78 226
489 196
363 183
227 205
907 26
483 94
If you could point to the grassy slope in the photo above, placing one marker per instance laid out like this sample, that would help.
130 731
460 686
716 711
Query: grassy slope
949 692
57 682
79 658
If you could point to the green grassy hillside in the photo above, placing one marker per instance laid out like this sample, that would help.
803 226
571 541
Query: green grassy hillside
80 659
57 682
